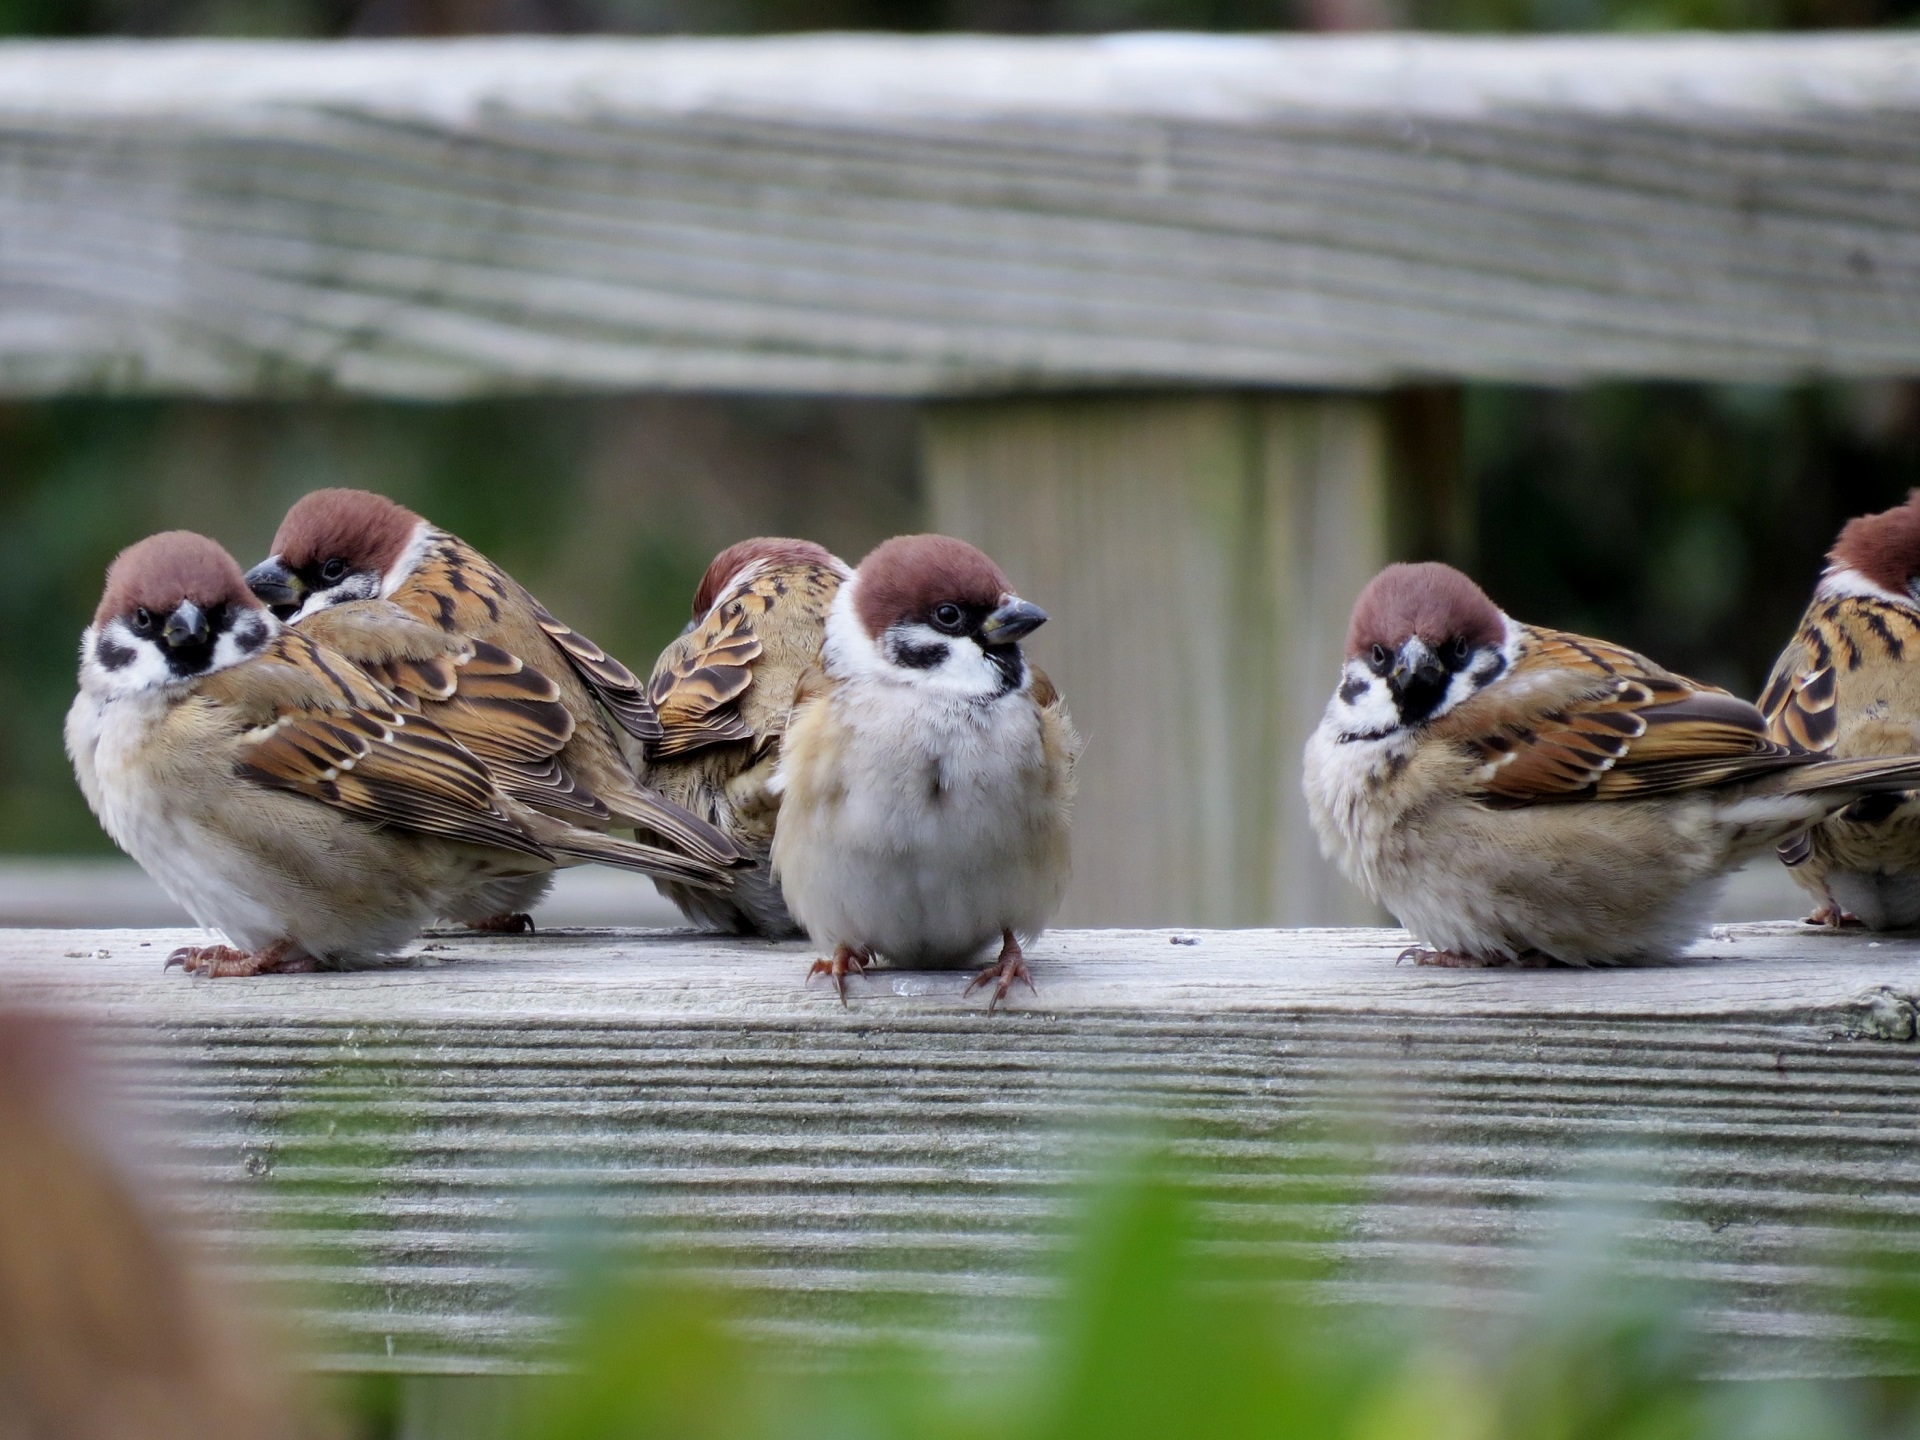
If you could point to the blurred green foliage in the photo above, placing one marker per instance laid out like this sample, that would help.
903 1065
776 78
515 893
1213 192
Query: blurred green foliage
1687 521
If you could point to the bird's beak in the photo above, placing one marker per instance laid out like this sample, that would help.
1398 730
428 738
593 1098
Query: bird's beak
1014 618
186 626
277 587
1416 666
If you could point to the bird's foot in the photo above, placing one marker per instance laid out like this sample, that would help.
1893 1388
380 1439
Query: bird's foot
845 959
1834 918
1004 972
503 925
1458 960
212 962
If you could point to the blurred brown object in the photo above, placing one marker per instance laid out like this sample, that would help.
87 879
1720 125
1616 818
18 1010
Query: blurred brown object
105 1331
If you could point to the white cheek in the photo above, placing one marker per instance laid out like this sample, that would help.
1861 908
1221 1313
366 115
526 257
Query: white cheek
356 587
146 670
246 639
1370 711
965 670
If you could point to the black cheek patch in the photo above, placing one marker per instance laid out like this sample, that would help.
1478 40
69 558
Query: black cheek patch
250 634
111 654
1353 689
916 657
1010 663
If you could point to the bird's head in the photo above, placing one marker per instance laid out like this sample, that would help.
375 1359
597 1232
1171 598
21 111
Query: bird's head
934 611
175 607
1422 638
744 559
1878 553
334 546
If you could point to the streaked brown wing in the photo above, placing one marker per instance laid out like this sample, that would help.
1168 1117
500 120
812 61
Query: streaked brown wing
388 766
504 709
416 677
1847 634
1799 705
697 684
1598 720
612 684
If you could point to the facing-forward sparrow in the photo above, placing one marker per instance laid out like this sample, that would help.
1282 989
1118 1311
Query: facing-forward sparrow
1520 794
277 792
926 775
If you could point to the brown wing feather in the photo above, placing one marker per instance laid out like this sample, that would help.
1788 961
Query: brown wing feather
612 684
507 712
697 685
1801 700
503 708
1593 719
344 745
729 679
459 590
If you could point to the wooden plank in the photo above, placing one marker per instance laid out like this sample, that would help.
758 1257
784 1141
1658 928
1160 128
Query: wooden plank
898 215
1199 555
411 1151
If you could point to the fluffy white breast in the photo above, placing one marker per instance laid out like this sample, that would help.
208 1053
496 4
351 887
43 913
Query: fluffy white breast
123 767
918 820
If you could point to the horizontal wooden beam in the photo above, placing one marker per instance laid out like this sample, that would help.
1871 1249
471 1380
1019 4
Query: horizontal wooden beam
921 216
411 1150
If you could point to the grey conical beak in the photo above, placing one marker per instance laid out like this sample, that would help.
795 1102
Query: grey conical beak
1014 619
186 626
277 587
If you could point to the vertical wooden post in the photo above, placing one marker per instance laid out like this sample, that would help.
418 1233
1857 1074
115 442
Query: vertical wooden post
1199 553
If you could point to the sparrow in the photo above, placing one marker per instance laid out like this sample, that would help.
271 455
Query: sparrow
1520 794
723 691
561 723
1847 685
279 793
926 775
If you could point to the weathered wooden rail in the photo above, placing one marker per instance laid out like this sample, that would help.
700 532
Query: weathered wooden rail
412 1149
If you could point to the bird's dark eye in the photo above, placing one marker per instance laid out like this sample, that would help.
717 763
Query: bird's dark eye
949 618
142 620
1458 650
334 571
1379 658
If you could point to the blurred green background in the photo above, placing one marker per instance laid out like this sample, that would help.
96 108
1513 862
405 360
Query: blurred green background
1687 521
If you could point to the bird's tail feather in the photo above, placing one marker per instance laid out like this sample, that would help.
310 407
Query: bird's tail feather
1861 777
590 845
677 826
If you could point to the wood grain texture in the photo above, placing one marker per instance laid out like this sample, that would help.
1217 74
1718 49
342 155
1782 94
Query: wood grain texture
931 216
412 1151
1198 555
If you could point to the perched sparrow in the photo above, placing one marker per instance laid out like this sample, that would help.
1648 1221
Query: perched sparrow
927 771
277 792
1848 685
1521 794
453 635
723 692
